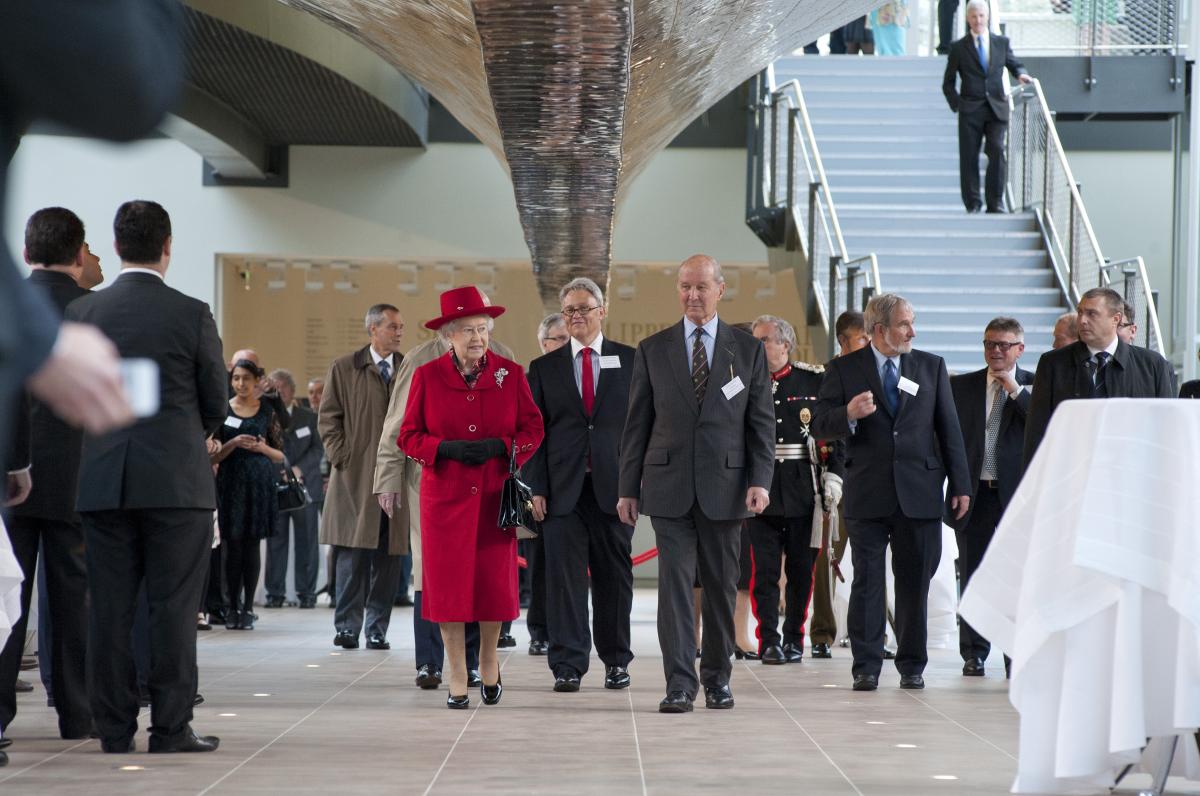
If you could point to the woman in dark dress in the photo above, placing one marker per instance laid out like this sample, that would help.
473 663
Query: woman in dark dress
247 506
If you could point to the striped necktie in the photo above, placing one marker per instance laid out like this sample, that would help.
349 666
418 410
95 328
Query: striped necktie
699 366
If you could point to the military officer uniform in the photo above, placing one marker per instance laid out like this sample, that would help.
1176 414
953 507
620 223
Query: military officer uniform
786 528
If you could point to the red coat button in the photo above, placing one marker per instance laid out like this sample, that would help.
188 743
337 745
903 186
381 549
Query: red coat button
474 490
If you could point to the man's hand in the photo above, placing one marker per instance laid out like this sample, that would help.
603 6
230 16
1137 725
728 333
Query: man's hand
539 507
296 472
627 510
960 504
1005 380
1025 79
81 381
757 499
388 501
861 406
17 487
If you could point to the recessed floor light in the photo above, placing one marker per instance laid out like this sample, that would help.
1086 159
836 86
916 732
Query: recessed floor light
262 694
227 715
876 722
335 654
133 768
830 685
906 746
944 776
314 666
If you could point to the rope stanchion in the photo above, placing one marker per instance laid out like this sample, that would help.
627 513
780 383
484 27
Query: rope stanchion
640 558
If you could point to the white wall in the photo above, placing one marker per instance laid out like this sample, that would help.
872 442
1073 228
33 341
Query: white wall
451 200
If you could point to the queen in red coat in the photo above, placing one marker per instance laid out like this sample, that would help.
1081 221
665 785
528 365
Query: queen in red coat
465 412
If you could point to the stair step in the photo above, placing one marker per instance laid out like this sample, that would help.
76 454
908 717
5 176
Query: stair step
992 298
899 279
888 260
979 316
904 219
915 181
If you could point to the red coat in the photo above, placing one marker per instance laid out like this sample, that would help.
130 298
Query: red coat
468 564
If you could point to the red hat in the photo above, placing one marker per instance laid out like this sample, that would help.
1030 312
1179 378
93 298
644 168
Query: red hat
464 302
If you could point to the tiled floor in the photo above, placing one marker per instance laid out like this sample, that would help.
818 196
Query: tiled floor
294 716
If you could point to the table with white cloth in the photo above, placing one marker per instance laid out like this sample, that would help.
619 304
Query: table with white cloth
1092 584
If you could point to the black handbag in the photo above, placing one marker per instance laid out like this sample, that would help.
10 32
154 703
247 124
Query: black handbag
516 504
290 492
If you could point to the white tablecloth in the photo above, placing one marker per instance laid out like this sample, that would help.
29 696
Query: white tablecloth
10 586
1092 585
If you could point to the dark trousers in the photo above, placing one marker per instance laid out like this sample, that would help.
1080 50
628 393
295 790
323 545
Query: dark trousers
536 621
916 550
65 564
588 538
430 650
973 541
366 579
243 562
168 549
823 629
304 532
946 33
690 545
214 597
975 128
771 538
405 579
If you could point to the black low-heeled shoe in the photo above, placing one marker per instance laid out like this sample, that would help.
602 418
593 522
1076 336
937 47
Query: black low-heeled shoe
458 702
741 654
491 693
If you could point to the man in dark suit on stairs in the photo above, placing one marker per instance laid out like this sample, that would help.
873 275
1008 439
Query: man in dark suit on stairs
146 493
992 403
582 390
892 404
978 61
697 455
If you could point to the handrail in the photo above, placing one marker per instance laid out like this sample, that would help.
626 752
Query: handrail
1135 278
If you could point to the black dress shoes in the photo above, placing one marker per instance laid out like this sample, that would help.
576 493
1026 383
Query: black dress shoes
189 742
913 682
675 702
377 642
273 602
117 746
403 601
566 681
308 601
718 697
538 647
233 621
741 654
3 759
973 668
458 702
505 641
198 699
866 682
793 652
821 650
246 621
5 743
346 640
428 678
491 693
616 677
474 678
773 655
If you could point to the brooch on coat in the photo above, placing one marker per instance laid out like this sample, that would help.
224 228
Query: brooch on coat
500 374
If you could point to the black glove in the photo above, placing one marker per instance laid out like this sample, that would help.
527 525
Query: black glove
484 449
455 449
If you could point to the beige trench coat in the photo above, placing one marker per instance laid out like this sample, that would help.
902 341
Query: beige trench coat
393 471
351 419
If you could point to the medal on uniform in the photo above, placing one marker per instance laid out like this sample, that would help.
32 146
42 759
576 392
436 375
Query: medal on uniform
805 416
774 386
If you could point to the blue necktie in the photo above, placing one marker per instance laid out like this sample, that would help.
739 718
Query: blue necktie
891 386
982 54
385 371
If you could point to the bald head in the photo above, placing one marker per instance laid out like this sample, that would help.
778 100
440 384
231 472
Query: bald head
244 353
701 286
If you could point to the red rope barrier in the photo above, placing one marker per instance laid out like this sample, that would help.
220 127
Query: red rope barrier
639 559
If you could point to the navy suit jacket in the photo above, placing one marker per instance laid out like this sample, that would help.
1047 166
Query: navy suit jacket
976 89
896 462
557 469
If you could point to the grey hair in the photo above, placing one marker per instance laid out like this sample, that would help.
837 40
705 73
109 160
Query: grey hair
548 323
1072 320
881 308
447 329
317 380
978 4
375 315
581 283
784 333
284 376
718 276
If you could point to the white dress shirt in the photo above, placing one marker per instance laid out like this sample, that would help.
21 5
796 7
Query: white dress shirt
709 338
577 361
135 270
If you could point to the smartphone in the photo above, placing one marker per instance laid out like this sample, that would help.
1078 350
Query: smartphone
141 381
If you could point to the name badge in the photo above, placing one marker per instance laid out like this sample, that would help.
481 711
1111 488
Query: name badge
733 388
612 361
908 385
303 432
233 421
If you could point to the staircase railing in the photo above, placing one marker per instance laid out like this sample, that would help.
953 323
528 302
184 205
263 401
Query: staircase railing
789 204
1040 179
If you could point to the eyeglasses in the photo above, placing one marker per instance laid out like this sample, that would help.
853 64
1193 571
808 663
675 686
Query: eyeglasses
1000 345
582 312
1125 325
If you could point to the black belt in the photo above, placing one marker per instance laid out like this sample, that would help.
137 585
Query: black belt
985 483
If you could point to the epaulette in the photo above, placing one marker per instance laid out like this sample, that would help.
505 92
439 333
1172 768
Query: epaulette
808 367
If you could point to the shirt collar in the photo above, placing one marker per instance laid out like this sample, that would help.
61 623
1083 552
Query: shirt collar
709 328
377 359
140 271
1111 349
577 346
880 359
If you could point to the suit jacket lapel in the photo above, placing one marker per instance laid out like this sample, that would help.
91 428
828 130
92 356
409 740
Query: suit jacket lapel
604 385
1082 374
679 366
867 360
564 367
977 409
1114 377
907 371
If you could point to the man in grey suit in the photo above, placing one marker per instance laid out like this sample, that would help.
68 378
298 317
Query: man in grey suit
697 455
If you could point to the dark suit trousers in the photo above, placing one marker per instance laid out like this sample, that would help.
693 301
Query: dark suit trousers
916 550
428 637
946 33
981 127
65 566
169 549
973 541
588 538
689 545
304 532
536 622
772 537
366 579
